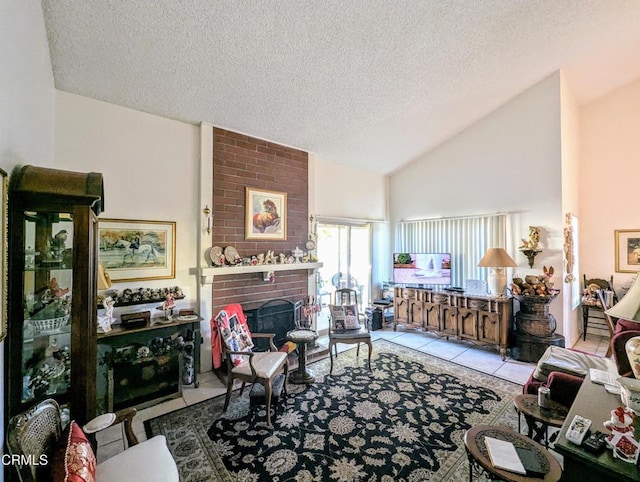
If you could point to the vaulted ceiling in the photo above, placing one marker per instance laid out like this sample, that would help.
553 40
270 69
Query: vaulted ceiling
370 83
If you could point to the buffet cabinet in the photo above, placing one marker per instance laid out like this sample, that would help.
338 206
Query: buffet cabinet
52 287
479 319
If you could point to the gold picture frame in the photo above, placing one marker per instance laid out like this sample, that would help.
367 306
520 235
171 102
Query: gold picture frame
627 247
4 240
266 214
137 250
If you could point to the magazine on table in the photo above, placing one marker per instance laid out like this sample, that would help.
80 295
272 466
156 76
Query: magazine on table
520 460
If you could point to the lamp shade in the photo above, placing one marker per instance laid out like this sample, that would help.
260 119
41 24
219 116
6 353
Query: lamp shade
628 307
496 258
104 281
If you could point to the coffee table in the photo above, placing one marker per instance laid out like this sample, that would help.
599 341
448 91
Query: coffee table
479 457
301 337
539 419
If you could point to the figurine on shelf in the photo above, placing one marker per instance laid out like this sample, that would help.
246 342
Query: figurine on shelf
270 258
168 306
55 289
106 320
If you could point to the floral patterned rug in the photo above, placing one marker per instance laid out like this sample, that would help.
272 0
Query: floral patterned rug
404 421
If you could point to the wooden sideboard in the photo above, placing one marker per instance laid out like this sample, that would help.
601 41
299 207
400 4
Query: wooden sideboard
479 319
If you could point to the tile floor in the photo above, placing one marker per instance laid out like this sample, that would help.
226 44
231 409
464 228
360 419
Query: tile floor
485 359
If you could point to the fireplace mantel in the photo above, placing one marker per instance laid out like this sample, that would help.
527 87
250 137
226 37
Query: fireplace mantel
207 274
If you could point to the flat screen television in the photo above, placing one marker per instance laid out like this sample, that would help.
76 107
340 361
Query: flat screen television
422 268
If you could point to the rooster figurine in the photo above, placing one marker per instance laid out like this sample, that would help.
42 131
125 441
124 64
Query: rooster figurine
55 289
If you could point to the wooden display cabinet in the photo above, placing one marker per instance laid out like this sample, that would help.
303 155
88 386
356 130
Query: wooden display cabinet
51 347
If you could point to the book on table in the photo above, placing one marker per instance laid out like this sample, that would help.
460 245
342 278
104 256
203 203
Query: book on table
603 377
505 455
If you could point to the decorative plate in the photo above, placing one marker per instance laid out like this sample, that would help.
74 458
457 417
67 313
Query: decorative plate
231 255
215 253
100 422
188 317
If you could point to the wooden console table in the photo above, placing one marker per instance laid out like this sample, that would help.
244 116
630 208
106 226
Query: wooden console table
595 403
118 338
481 320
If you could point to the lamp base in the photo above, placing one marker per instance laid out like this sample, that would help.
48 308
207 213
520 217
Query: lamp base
497 281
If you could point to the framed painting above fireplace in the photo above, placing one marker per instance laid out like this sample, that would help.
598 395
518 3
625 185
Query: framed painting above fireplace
266 214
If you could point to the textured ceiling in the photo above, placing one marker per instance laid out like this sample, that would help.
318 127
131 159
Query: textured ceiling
368 83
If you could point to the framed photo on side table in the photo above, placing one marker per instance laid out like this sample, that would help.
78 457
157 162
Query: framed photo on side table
137 250
627 250
266 214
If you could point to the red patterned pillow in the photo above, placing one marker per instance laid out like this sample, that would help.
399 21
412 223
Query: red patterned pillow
74 460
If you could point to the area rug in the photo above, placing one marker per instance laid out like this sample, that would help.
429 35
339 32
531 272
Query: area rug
404 421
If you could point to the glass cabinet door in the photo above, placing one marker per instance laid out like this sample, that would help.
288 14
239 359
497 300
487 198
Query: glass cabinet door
47 298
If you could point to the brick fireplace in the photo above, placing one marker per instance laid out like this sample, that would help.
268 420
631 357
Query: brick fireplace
240 161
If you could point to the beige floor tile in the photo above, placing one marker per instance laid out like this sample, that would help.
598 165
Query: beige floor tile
481 360
515 371
446 350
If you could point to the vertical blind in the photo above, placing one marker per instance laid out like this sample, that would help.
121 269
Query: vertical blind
466 239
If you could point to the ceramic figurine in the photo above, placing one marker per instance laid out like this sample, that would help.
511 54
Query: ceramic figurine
105 321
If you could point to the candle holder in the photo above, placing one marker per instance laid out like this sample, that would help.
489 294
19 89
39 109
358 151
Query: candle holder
309 308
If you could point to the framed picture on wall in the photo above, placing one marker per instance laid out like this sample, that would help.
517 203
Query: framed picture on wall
4 197
137 250
627 250
266 214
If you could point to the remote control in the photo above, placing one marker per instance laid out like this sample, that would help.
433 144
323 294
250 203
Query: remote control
595 443
578 429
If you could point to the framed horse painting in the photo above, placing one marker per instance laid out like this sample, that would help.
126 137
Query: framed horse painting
266 214
137 250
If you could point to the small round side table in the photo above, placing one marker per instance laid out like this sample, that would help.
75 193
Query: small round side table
551 416
479 456
301 337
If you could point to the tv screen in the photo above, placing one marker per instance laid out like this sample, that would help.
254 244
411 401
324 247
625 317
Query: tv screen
422 268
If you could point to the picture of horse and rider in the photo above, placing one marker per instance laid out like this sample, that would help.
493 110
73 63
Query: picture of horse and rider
128 248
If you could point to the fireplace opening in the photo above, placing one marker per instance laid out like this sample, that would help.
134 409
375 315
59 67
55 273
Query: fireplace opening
277 316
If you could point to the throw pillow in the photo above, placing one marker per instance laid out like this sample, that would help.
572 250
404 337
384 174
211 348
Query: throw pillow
344 317
235 335
74 460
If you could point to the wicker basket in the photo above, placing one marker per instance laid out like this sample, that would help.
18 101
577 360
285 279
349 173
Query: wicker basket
50 324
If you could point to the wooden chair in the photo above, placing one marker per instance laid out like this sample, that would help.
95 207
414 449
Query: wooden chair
246 365
38 432
610 324
591 305
339 332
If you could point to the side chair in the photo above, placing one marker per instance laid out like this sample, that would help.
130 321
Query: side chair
38 434
347 325
244 364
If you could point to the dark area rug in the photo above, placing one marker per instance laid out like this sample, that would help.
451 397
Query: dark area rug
402 422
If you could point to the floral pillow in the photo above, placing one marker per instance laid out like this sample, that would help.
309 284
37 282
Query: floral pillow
235 335
74 460
344 317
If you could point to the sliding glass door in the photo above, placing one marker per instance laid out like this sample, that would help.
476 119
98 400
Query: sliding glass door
345 251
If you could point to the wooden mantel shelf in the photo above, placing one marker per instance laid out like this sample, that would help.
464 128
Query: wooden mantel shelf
207 274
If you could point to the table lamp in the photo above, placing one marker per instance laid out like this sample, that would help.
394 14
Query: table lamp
104 281
497 259
628 308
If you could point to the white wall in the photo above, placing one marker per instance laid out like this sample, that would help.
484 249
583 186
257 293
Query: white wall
510 161
26 101
608 174
570 134
151 170
341 191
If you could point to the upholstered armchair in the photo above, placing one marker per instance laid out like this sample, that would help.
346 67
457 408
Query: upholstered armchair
54 452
